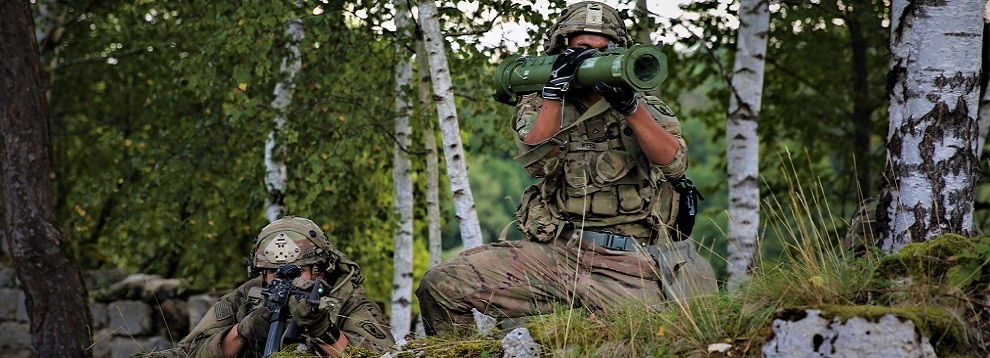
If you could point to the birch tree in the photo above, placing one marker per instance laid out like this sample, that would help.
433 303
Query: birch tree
432 163
932 163
275 170
460 188
643 30
983 114
743 145
402 273
54 294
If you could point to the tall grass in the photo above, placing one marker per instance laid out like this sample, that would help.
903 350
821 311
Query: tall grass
812 270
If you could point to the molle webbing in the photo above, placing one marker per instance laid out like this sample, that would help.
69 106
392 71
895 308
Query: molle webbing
541 149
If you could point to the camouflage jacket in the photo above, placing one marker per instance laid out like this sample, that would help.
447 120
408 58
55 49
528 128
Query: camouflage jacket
600 179
357 317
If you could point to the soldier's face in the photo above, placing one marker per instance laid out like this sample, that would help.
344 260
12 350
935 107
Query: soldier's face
590 40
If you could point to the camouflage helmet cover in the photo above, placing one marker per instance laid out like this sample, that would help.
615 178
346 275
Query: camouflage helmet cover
586 16
292 240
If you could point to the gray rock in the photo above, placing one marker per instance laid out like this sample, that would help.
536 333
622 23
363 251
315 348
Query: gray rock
100 315
102 343
14 337
130 288
158 289
199 305
815 336
124 347
484 322
129 318
519 344
22 311
8 277
10 298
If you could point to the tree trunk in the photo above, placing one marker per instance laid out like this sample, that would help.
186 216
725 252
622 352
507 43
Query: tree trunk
432 163
643 32
460 188
402 274
275 171
932 164
55 297
743 144
862 110
983 116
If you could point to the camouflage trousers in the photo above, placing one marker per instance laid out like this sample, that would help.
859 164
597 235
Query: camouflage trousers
524 278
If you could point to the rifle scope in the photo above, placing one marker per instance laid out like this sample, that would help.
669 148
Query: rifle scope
642 67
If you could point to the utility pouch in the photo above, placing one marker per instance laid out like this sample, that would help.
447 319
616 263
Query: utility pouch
683 272
536 219
687 212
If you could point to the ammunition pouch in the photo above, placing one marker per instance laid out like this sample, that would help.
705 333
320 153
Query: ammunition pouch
537 220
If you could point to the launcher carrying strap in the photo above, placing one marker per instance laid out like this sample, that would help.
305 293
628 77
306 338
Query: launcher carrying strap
541 149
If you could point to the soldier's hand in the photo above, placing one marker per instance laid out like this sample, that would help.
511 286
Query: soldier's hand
620 97
254 326
314 320
563 71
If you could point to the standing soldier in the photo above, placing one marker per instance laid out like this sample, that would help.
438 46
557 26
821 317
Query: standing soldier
600 220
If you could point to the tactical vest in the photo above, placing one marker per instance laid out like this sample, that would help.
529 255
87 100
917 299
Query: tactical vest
600 179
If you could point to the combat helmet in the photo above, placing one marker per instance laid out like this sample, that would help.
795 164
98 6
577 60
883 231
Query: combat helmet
586 16
291 240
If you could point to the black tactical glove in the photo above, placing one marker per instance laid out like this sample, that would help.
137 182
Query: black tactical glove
254 325
315 320
620 97
563 70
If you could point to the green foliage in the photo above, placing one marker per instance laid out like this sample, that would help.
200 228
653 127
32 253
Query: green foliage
158 152
160 114
955 261
810 111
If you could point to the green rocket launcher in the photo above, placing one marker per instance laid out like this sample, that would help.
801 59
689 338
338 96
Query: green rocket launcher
642 67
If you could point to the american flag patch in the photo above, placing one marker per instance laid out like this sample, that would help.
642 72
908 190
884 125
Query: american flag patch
221 310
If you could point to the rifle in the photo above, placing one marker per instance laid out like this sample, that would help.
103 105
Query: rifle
277 300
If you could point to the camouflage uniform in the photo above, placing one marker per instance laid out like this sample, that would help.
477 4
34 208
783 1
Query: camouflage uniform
860 236
599 184
357 317
297 241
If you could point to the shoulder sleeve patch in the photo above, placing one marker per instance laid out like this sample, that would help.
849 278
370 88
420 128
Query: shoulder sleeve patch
372 329
222 310
659 105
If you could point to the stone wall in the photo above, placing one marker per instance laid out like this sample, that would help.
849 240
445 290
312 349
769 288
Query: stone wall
131 314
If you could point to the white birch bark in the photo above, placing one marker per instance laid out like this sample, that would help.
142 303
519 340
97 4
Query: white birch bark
400 319
743 144
453 150
275 171
435 239
932 162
